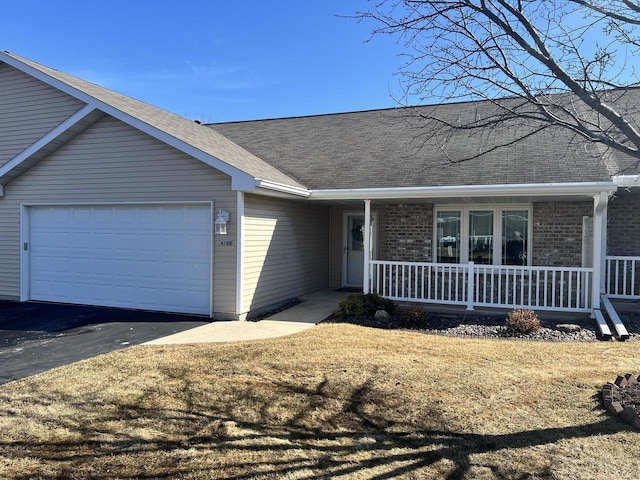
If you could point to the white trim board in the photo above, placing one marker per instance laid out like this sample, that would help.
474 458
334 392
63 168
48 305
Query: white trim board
466 191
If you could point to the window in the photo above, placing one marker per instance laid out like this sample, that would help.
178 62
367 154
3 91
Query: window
448 237
484 235
481 236
515 235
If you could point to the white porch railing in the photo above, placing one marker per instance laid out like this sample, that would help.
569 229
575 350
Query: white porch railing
542 288
623 277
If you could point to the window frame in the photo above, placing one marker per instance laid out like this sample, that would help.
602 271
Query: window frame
498 212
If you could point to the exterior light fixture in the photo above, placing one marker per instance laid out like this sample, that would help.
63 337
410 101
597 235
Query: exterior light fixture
220 225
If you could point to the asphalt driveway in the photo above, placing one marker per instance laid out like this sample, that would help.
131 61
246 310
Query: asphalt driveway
35 337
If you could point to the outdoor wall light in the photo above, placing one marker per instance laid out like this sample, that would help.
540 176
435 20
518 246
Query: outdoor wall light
220 225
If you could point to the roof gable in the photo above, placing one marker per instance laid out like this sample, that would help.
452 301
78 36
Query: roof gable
246 169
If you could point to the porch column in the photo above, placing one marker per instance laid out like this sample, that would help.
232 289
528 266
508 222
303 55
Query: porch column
599 243
367 246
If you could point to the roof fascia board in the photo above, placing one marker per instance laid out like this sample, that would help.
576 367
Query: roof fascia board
282 188
537 189
126 118
48 138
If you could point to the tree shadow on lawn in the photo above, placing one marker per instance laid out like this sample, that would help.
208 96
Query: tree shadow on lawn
118 440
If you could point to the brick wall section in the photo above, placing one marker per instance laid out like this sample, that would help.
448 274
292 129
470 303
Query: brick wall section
557 233
408 233
624 224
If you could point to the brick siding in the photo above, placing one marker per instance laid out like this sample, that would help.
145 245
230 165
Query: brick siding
624 224
408 233
557 233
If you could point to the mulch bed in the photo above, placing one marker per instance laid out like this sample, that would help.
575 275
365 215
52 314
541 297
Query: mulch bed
629 396
622 398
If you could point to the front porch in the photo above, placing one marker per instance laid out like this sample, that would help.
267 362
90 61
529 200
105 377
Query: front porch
559 253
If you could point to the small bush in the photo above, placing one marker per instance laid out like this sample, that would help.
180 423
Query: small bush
413 316
364 305
523 320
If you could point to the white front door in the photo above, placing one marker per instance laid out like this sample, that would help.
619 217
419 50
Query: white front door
353 248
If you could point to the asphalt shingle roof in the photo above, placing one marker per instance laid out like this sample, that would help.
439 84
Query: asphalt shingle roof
399 148
402 147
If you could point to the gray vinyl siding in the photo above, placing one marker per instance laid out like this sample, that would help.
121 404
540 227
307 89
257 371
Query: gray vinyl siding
112 162
335 254
286 250
29 109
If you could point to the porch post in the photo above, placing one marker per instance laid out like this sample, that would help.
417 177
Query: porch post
603 246
470 286
367 246
599 233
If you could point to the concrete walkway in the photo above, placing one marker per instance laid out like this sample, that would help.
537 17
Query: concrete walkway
313 308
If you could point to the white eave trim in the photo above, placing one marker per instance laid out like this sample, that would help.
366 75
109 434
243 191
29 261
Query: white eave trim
532 189
48 138
282 188
627 180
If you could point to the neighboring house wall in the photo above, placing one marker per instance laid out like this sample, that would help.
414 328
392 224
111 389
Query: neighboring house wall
408 233
112 162
557 232
29 109
624 223
286 250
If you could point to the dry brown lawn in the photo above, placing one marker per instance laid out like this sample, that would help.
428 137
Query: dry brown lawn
337 401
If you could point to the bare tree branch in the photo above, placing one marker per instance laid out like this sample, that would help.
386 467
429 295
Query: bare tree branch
562 58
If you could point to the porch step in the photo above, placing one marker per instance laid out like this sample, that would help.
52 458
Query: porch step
605 331
621 331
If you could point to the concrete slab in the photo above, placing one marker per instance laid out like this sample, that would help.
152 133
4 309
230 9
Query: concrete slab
312 309
233 331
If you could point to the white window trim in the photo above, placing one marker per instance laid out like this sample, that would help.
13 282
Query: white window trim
497 210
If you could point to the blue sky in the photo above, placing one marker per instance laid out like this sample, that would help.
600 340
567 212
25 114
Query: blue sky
214 60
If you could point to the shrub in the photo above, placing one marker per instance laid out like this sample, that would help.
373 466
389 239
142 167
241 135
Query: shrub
413 316
523 320
364 305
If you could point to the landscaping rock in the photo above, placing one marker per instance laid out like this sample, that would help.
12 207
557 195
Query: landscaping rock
381 316
568 327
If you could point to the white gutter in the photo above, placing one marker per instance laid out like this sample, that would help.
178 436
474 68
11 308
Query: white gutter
282 188
533 189
627 180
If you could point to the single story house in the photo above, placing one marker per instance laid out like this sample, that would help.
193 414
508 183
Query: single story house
106 200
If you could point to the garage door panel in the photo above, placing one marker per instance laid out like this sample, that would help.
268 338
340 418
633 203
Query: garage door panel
153 257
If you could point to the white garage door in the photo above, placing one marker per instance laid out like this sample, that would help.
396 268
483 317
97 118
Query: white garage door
153 257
